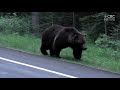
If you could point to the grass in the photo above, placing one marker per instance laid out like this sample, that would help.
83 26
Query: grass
97 57
94 56
26 42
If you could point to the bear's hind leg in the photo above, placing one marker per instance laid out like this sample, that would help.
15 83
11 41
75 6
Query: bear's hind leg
57 53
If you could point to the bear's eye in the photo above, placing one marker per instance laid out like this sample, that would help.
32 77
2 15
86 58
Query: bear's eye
76 37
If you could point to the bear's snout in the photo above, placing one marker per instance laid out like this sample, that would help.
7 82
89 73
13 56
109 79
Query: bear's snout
84 48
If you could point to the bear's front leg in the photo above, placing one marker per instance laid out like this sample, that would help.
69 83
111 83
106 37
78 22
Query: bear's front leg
43 50
77 53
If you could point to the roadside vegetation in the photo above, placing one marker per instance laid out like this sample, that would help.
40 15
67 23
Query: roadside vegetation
103 51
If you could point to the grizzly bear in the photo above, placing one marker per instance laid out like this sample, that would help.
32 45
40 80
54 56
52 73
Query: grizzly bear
56 37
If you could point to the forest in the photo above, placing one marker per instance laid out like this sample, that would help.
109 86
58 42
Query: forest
22 31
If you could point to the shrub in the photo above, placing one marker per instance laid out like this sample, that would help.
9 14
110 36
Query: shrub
106 42
14 24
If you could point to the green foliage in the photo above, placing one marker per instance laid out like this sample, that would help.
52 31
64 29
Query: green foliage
26 43
105 58
15 24
103 41
93 24
49 18
110 41
115 32
20 14
106 42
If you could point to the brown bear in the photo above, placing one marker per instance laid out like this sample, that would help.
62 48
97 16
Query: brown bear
57 37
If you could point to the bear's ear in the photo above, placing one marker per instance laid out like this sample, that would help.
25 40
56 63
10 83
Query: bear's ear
85 35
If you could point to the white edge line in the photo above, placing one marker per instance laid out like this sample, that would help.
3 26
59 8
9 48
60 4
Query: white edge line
28 65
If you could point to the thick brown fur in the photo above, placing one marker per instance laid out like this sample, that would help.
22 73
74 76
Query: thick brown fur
57 37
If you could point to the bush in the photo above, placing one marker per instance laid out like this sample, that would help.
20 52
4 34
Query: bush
106 42
93 24
14 24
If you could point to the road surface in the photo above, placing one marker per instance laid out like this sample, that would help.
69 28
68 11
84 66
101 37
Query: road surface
17 64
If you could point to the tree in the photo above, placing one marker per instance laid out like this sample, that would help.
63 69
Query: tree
35 22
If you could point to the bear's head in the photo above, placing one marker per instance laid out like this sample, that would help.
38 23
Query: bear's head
77 39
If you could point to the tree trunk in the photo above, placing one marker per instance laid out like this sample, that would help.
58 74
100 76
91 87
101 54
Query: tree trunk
74 19
35 22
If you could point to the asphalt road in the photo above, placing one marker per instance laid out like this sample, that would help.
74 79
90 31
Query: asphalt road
17 64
